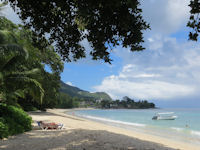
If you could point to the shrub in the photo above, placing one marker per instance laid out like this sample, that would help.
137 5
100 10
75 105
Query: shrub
3 129
14 119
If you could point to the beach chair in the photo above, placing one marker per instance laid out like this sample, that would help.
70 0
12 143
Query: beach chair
52 125
60 126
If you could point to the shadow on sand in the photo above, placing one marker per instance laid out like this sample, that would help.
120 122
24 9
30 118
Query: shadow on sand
76 139
44 113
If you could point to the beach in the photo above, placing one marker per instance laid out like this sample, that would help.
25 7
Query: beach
83 134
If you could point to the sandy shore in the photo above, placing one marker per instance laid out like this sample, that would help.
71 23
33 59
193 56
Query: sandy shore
82 134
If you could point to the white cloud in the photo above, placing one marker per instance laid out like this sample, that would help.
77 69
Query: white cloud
149 89
128 68
146 75
69 83
150 39
166 16
167 73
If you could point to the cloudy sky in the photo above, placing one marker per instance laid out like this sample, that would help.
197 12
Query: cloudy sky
167 72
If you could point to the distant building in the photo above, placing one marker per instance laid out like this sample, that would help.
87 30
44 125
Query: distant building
99 100
128 106
82 103
113 105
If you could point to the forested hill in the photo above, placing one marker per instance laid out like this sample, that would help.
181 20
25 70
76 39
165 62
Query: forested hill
76 92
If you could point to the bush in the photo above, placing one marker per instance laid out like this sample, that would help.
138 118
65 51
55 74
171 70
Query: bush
3 129
14 120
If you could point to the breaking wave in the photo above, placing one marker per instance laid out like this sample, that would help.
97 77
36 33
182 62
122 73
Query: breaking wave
114 121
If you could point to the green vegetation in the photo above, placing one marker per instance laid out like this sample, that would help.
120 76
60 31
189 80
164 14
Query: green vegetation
26 53
81 94
71 96
104 24
15 79
127 103
13 120
24 81
23 77
66 101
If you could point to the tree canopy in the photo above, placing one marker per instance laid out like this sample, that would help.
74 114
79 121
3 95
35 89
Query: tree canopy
194 22
14 77
22 67
105 24
127 103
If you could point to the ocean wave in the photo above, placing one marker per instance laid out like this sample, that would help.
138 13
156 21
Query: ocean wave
114 121
177 129
188 131
195 132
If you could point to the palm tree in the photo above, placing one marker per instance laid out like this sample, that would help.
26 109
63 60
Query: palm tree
15 78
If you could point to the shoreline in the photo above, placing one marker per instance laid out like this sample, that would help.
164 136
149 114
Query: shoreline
188 136
135 134
80 133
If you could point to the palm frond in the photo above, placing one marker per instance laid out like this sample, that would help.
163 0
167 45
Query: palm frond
16 78
10 55
12 49
23 82
19 93
1 82
36 88
1 77
30 73
7 37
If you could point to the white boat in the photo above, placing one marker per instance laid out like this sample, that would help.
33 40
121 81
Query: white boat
164 116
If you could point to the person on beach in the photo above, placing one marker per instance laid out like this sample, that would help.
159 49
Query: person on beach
187 126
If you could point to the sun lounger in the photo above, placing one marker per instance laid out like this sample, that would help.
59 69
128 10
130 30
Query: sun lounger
52 125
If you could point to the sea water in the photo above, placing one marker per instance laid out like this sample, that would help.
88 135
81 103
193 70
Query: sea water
185 128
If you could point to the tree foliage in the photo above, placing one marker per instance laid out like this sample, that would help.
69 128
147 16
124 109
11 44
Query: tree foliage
14 77
66 101
127 103
81 94
22 67
194 22
105 24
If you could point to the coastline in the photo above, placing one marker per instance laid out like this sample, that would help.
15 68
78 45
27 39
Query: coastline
135 134
90 131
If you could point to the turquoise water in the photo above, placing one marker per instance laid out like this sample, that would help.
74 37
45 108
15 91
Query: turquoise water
186 127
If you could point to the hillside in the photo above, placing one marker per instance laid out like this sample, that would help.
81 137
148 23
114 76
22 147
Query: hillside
76 92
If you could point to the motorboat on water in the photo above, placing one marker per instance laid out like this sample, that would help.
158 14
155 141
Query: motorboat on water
164 116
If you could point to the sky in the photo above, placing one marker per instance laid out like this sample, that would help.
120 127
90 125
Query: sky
166 73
